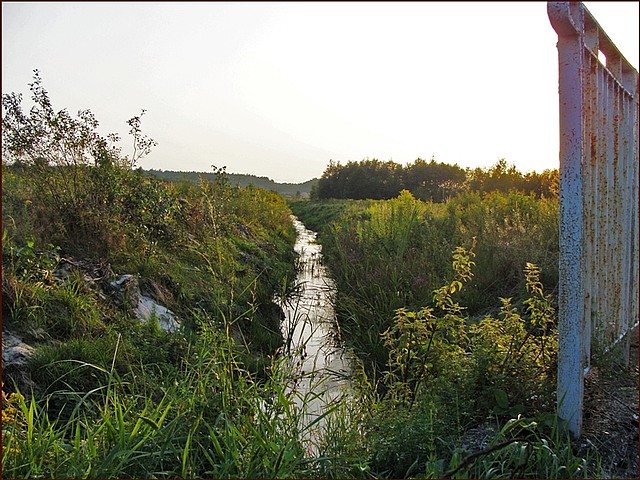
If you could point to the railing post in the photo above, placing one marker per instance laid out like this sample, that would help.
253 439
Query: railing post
567 21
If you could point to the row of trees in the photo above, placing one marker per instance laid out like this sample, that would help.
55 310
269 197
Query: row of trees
239 179
435 181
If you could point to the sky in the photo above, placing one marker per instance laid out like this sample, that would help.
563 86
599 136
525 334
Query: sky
280 89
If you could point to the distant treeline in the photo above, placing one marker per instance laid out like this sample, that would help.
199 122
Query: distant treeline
375 179
241 180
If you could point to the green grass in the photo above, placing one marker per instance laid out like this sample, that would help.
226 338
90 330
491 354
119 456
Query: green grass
317 215
208 423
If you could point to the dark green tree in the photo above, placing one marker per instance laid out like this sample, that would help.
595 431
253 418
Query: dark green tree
433 181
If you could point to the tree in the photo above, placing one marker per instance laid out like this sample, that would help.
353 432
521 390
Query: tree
433 181
505 177
371 179
48 138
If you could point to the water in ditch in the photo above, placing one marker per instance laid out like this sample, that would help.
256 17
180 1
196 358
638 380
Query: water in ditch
321 369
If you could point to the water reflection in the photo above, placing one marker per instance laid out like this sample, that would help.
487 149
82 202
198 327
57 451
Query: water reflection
321 368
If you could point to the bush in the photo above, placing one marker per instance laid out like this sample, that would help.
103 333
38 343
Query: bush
514 355
78 184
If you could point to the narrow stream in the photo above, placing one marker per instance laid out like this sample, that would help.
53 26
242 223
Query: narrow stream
321 368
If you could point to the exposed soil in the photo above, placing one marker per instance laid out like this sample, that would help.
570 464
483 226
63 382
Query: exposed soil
610 422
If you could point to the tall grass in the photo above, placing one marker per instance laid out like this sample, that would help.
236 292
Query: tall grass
211 421
391 254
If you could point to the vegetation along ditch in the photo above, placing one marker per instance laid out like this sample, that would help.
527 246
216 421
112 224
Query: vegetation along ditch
162 328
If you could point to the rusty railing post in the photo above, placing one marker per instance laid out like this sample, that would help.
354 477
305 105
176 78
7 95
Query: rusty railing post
567 21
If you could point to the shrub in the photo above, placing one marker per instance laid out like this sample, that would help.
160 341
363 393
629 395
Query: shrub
514 355
78 182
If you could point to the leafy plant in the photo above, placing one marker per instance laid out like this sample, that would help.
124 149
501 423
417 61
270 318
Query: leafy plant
420 343
515 354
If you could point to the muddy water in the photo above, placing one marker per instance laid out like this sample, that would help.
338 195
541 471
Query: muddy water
321 369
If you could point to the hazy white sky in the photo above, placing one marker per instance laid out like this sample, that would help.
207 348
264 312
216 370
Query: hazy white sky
279 89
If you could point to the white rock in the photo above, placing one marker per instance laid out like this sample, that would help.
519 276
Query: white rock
14 350
147 308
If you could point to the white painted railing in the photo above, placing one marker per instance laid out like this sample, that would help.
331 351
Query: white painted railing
598 291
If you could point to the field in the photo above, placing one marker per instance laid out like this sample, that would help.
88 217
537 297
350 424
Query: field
448 307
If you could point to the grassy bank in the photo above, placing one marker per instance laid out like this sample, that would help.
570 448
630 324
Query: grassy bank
211 250
101 392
